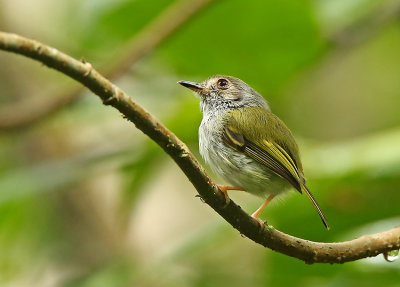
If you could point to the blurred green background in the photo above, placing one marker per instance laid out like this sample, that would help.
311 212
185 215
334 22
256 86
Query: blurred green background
87 200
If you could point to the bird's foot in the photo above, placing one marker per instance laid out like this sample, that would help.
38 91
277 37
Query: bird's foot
258 211
259 220
224 189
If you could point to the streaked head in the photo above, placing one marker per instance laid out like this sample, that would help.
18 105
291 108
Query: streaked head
225 92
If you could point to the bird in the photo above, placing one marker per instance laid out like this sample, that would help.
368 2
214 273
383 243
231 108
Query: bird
246 144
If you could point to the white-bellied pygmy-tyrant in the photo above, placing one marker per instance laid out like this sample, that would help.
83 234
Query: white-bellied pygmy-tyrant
245 143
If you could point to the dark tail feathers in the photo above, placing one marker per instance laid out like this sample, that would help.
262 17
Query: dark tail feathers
315 203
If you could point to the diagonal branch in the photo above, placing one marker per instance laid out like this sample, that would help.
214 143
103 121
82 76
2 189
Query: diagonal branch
151 36
308 251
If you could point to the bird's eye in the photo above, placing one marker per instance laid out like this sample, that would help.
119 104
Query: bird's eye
222 84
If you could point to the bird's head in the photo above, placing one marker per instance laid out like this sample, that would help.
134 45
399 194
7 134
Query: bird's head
219 91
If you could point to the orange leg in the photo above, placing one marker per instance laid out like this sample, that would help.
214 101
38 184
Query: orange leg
258 211
224 189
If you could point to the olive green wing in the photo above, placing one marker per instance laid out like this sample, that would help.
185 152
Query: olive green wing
267 140
262 136
268 153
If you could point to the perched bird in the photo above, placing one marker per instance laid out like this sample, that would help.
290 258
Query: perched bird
245 143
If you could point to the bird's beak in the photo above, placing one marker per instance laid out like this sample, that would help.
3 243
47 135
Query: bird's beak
192 85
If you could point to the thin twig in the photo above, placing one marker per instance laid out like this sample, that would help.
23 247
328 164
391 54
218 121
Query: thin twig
155 33
308 251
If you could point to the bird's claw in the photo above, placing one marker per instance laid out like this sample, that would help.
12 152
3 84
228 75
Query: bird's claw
260 221
224 191
227 199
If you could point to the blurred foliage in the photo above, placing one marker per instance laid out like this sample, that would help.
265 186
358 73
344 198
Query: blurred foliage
86 200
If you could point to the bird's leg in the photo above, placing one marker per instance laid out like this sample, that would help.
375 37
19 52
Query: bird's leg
224 189
258 211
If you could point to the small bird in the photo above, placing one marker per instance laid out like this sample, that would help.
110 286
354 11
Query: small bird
246 144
